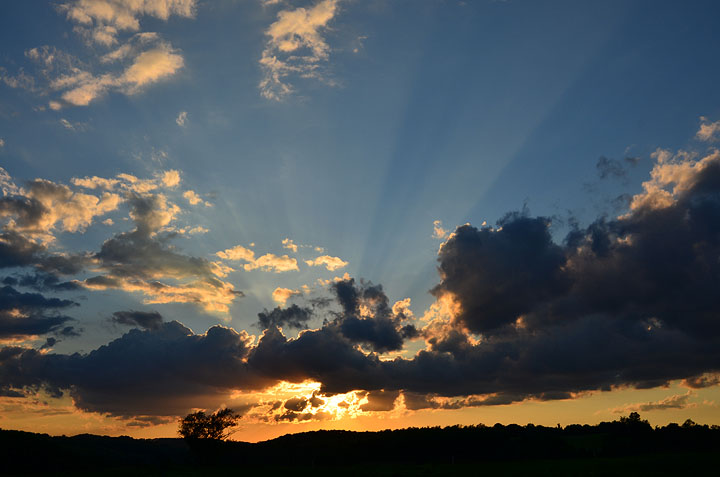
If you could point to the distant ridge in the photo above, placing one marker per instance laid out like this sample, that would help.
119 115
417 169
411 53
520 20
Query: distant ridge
685 445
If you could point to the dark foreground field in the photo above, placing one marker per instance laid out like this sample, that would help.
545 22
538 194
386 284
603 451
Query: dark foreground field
623 447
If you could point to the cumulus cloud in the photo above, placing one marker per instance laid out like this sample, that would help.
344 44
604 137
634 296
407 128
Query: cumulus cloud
330 263
169 371
43 207
142 260
295 47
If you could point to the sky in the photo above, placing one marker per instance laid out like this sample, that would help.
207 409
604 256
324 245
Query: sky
357 214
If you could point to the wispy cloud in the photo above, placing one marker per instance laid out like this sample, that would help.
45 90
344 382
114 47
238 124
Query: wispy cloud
100 21
296 48
132 60
181 118
709 131
677 401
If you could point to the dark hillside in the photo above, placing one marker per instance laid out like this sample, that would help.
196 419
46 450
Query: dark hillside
622 442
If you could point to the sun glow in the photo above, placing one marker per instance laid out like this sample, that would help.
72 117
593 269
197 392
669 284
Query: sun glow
301 402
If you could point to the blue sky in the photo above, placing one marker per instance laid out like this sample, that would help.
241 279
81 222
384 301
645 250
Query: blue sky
347 126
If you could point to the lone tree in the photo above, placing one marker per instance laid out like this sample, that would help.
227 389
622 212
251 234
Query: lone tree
199 425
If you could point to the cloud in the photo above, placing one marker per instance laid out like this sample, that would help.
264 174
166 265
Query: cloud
282 295
268 262
137 60
709 131
148 320
2 142
629 301
379 401
42 281
100 21
24 315
193 198
331 263
295 47
168 371
677 401
44 207
81 87
607 167
181 118
150 66
289 244
293 316
138 260
438 231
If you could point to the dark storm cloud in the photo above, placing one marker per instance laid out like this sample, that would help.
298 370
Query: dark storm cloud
381 329
159 372
293 316
379 401
501 274
149 320
24 314
16 250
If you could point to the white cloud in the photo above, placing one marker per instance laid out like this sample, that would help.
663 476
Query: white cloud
295 47
331 263
181 119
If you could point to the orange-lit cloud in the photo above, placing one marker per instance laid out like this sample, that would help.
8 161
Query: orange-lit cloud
330 263
268 262
709 131
282 295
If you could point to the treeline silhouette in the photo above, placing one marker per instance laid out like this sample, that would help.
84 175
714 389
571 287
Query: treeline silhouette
25 452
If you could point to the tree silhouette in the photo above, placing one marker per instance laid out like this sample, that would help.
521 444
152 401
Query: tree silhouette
198 425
